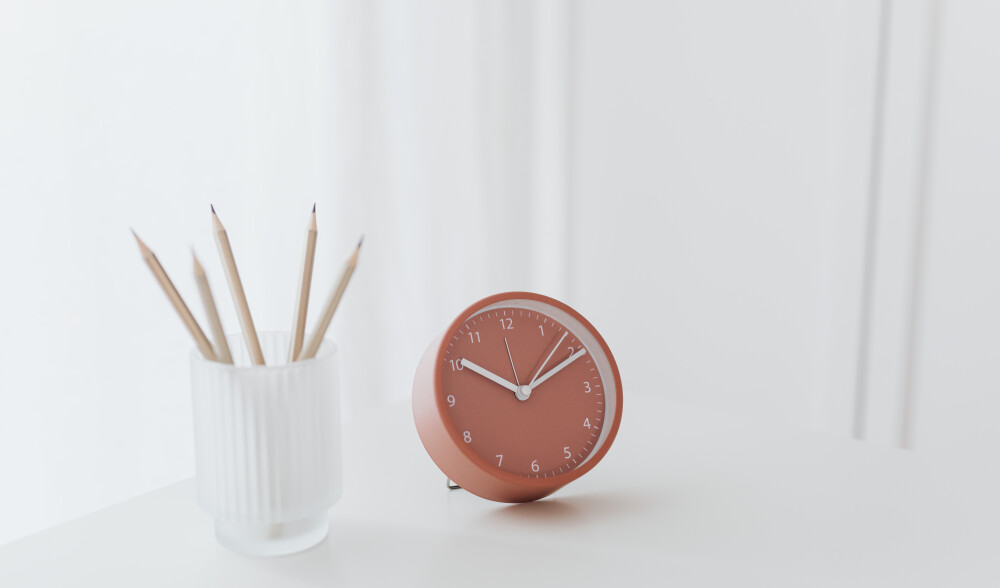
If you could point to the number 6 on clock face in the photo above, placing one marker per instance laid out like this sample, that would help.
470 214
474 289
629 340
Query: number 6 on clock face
500 397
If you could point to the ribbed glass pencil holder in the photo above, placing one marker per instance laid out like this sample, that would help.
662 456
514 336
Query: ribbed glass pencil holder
267 446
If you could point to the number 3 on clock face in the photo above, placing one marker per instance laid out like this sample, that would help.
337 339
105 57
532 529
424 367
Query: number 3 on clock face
519 396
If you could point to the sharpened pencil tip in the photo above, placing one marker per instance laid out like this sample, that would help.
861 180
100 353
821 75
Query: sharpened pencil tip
198 269
360 241
142 246
212 207
314 207
216 223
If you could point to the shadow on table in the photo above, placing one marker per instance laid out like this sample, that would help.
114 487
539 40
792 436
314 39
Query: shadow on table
572 510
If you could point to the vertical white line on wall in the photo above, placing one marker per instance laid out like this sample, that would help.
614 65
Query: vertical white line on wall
550 121
505 96
871 226
932 56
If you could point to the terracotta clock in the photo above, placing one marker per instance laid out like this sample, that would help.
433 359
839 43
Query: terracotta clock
518 397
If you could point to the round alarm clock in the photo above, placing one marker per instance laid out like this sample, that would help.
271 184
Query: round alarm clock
518 397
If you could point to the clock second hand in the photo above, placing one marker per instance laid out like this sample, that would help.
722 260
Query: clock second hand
544 363
516 380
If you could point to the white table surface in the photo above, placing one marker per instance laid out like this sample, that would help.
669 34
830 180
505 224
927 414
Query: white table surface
685 497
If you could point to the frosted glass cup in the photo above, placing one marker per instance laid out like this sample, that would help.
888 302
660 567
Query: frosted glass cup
267 446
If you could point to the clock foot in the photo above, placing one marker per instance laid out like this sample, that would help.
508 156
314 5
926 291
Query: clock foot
452 485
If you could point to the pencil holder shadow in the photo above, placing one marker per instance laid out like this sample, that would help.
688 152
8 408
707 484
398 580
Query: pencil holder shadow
267 446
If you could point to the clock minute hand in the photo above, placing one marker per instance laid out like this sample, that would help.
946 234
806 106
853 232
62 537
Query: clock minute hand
489 375
559 367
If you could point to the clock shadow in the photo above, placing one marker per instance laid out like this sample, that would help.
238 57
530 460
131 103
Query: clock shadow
570 511
546 510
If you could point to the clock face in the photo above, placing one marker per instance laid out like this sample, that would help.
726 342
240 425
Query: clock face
526 387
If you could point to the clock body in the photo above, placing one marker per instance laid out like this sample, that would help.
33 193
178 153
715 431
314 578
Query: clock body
519 396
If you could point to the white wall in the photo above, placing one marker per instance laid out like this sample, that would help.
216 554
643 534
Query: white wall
957 365
931 349
721 152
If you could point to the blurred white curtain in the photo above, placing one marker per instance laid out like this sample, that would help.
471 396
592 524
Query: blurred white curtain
450 141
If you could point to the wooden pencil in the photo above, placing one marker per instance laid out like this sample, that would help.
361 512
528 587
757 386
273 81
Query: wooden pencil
236 289
302 295
175 298
331 305
214 322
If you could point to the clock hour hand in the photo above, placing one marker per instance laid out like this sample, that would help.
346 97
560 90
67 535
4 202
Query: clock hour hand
573 357
489 375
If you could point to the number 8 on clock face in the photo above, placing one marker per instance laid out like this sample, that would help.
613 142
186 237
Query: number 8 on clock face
519 396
